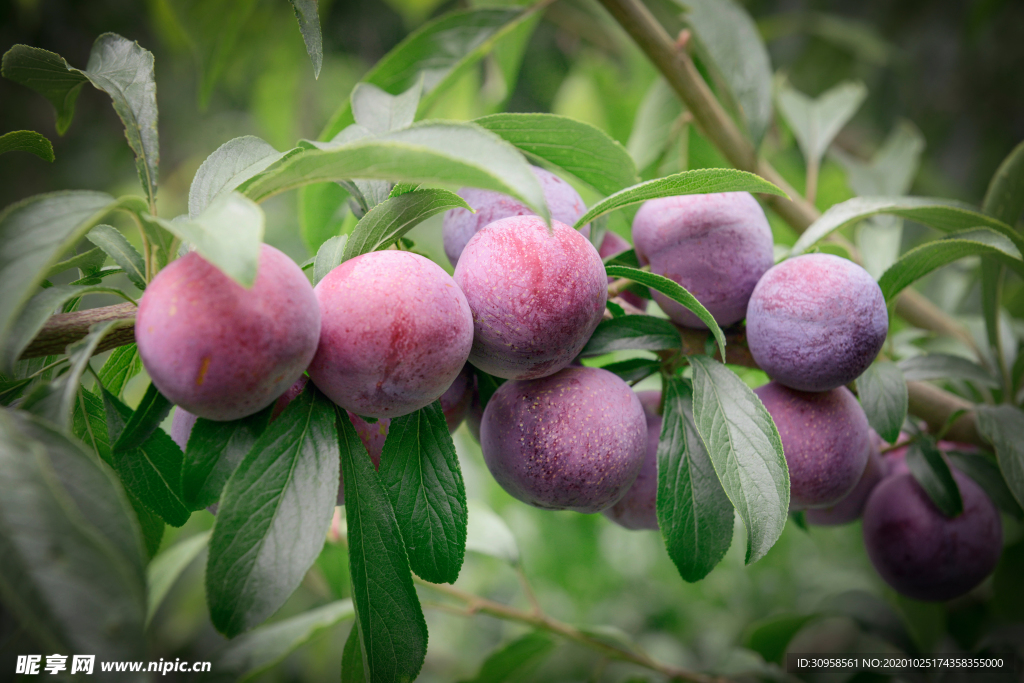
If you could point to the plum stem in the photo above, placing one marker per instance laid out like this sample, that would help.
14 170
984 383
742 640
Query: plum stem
535 617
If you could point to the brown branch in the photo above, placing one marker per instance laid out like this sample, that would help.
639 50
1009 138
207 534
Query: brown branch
65 328
930 403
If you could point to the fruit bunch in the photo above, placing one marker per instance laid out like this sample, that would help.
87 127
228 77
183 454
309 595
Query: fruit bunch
389 332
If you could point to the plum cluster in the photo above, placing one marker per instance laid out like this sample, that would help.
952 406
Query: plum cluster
389 332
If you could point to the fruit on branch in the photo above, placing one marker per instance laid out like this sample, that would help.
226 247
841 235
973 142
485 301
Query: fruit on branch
459 225
536 296
456 400
816 322
396 333
852 505
221 351
717 246
612 244
572 441
638 508
922 553
825 438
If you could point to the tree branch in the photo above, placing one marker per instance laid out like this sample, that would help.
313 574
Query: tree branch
64 328
930 403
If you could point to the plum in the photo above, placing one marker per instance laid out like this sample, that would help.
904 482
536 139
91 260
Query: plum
922 553
612 244
572 441
717 246
396 333
852 505
222 351
638 508
825 438
456 401
459 225
536 296
815 322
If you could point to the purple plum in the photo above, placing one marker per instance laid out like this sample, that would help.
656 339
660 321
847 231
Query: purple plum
638 508
612 244
851 506
816 322
536 296
575 440
460 225
222 351
717 246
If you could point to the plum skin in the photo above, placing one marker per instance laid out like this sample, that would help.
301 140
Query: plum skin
638 508
816 322
396 332
717 246
459 225
536 296
920 552
572 441
825 438
851 507
612 244
219 350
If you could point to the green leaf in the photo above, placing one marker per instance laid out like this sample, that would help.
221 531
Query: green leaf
52 490
882 391
229 166
892 169
111 241
420 472
935 366
55 401
151 472
698 181
166 567
728 38
632 332
145 420
385 223
770 637
745 449
1004 198
587 152
228 234
309 26
393 633
273 515
653 124
440 52
435 152
486 386
987 475
816 122
89 423
49 75
328 257
26 141
943 214
213 451
930 256
1002 426
634 369
118 67
382 112
352 669
87 261
253 653
35 314
152 526
694 514
625 258
487 534
122 364
33 235
933 474
674 291
323 210
516 661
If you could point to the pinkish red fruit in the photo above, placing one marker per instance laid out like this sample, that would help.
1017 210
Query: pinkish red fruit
221 351
536 296
396 332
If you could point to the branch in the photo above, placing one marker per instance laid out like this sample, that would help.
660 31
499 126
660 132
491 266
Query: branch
927 402
475 604
64 328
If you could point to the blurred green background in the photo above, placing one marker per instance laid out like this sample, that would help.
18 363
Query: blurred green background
950 69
